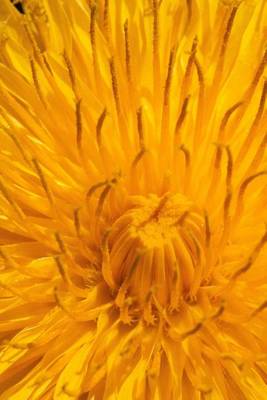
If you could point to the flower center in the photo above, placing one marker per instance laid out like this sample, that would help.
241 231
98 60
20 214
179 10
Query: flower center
156 253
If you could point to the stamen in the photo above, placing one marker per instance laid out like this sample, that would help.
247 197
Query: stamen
259 246
182 115
191 61
229 357
186 155
134 266
188 71
207 230
106 268
36 82
20 346
247 181
229 194
155 47
244 269
200 324
37 383
259 72
127 51
226 205
77 223
229 172
217 161
74 289
227 32
47 65
138 157
102 199
120 298
169 78
36 50
205 392
92 23
226 118
261 307
71 73
104 242
242 190
192 331
197 254
189 11
261 105
252 87
106 14
149 11
199 72
99 126
252 258
161 311
68 392
180 221
148 314
251 134
19 146
92 31
60 304
218 156
155 27
259 154
9 199
114 85
156 212
78 123
125 315
42 179
160 206
93 188
221 59
200 106
60 243
140 128
175 290
60 268
219 312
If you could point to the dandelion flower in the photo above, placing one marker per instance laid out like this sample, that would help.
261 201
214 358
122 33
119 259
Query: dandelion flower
133 200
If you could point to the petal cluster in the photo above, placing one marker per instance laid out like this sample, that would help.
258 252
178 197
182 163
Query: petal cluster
133 200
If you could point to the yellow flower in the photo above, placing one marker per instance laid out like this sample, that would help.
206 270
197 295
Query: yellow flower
133 200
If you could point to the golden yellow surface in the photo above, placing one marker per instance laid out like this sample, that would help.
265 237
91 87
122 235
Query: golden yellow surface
133 257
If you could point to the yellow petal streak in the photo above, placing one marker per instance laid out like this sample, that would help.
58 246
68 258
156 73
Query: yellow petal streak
133 193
